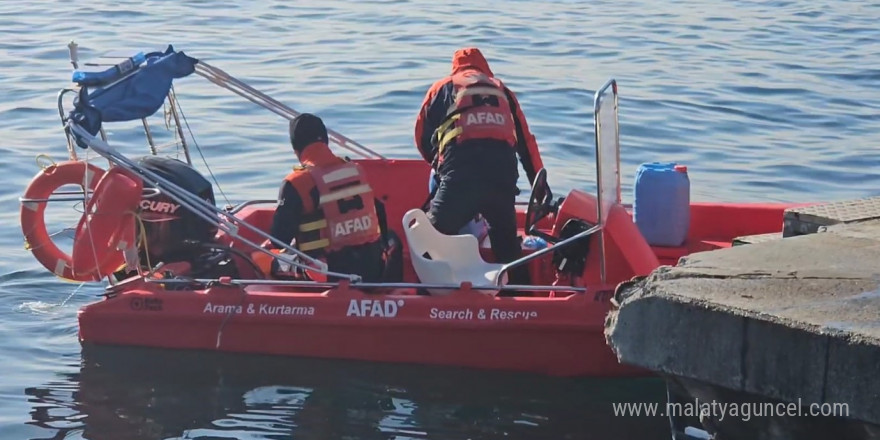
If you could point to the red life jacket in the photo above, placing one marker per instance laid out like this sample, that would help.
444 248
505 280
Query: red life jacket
346 213
480 110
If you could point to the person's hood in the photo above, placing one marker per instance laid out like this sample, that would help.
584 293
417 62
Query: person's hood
470 58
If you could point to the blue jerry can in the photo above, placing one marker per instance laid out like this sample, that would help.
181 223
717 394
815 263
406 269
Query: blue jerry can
661 205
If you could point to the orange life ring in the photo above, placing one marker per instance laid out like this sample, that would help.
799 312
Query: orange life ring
33 222
107 225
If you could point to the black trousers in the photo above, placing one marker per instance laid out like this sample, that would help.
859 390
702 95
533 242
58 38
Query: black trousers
458 201
366 260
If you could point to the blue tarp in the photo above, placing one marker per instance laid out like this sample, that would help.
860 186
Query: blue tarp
137 96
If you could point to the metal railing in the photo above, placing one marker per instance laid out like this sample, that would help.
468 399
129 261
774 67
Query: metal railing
224 220
607 174
331 284
602 173
227 81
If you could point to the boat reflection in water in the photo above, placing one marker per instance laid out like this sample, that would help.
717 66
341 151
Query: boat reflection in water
145 394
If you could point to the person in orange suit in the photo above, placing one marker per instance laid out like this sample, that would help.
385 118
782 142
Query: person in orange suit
471 129
327 209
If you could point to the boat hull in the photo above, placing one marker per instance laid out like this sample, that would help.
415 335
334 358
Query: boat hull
559 336
551 336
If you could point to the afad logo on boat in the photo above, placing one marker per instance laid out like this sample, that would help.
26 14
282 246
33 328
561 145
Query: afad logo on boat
374 308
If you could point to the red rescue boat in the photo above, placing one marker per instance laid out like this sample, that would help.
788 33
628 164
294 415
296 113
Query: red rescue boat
554 327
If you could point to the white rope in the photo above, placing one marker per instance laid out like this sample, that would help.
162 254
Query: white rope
87 179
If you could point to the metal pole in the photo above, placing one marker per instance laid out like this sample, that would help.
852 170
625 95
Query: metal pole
546 250
73 49
600 173
235 282
204 210
149 137
172 102
227 81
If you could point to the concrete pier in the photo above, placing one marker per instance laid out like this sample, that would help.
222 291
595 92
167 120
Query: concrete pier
788 320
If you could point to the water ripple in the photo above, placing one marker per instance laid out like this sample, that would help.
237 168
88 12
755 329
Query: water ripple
764 101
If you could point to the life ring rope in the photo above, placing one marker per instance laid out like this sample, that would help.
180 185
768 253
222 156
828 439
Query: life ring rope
28 247
46 156
142 239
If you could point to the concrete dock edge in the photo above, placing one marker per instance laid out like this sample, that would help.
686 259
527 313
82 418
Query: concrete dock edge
793 320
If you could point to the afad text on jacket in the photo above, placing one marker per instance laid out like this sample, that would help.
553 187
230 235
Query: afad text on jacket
480 110
345 215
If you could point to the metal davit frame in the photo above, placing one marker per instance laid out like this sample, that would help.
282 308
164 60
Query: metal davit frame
222 79
226 220
172 112
227 81
607 137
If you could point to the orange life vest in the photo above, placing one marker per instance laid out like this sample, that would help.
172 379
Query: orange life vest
345 215
480 110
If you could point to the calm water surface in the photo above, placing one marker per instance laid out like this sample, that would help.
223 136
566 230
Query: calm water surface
764 101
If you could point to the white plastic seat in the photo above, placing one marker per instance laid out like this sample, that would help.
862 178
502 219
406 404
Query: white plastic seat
453 258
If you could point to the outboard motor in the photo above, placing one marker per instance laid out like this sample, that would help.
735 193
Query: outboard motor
173 233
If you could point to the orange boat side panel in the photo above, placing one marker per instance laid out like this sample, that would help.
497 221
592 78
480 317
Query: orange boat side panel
561 336
715 225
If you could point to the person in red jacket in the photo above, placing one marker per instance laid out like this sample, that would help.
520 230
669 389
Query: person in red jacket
471 129
327 209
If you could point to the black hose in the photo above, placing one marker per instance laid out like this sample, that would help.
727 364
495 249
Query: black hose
257 271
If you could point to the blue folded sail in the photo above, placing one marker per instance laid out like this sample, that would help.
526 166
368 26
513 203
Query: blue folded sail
110 75
139 94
